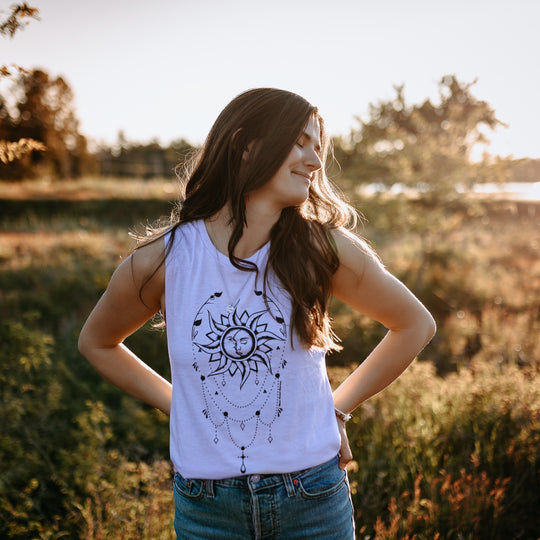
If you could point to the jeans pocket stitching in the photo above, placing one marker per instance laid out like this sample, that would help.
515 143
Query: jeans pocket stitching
187 488
327 492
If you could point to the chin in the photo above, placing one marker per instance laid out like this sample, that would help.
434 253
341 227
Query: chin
298 200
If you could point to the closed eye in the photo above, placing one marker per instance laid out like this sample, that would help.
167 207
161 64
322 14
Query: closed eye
306 137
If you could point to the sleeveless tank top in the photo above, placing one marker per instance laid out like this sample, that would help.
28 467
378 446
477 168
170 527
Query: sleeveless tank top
244 401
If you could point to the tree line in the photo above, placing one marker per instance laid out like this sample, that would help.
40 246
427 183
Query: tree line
40 107
426 144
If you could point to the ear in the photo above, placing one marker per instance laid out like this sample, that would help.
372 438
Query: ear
235 137
247 150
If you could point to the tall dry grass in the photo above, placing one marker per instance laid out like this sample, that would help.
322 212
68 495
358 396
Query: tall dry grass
451 450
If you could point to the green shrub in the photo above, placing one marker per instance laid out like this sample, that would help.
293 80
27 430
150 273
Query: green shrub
442 456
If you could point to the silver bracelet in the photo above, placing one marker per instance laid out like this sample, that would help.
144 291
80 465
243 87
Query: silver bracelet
342 416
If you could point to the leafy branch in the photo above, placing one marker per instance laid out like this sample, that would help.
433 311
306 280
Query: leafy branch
18 19
12 150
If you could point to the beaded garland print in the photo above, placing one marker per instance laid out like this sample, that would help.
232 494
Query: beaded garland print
239 359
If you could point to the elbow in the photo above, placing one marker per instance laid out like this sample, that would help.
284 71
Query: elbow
429 327
92 344
86 343
420 327
82 343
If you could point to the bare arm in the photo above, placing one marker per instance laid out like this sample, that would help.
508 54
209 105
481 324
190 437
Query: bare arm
363 283
120 312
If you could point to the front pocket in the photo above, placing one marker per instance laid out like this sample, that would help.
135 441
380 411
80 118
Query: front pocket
319 484
192 489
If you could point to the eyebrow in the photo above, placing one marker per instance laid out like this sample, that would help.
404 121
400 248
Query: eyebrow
310 138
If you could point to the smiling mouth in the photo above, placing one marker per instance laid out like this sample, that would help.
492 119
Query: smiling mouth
303 175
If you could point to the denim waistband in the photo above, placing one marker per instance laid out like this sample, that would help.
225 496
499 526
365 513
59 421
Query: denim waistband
257 482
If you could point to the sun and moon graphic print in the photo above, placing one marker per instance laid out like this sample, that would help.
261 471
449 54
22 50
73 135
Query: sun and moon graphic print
239 359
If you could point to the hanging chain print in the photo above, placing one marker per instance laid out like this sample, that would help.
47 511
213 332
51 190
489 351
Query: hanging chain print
239 357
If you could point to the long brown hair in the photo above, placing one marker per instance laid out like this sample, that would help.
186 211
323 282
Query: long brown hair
302 253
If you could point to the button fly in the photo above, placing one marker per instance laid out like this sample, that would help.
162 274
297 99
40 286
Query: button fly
255 478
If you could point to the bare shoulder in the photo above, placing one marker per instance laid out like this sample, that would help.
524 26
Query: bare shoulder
147 267
134 294
147 261
354 252
141 276
360 272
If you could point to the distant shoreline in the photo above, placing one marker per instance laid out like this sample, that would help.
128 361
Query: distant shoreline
94 188
508 191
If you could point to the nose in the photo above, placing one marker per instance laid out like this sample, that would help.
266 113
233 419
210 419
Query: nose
313 161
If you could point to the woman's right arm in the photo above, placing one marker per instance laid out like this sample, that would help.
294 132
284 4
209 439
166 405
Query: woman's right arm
120 312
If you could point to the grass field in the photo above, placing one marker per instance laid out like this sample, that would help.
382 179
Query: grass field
451 450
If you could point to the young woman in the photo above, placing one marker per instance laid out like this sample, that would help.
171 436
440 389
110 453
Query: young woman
243 277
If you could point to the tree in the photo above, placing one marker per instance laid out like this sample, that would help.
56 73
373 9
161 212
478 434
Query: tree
12 150
44 111
144 160
427 146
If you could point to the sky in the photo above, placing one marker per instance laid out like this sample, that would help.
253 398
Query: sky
164 69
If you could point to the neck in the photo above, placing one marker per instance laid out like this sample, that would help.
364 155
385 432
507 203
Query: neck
260 221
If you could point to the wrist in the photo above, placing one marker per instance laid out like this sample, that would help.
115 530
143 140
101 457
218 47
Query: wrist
343 416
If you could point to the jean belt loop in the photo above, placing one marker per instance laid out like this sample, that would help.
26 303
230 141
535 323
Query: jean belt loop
209 488
289 485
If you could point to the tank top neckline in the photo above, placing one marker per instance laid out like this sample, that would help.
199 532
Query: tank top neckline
224 259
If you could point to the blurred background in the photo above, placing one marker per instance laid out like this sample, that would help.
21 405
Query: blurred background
433 111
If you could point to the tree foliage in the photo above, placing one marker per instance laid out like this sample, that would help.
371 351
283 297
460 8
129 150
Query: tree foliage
427 146
525 170
13 150
141 160
17 19
42 109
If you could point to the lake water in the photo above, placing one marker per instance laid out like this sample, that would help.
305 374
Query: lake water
524 191
517 191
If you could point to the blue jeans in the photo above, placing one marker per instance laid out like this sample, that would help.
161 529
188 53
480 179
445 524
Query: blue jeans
314 503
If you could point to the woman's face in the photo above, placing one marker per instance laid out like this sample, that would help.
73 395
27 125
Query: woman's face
290 185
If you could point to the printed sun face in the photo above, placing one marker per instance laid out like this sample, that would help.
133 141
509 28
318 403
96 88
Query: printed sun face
238 344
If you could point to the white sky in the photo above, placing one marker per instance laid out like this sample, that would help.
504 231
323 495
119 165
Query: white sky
165 68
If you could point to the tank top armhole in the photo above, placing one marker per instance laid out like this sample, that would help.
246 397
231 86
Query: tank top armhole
171 242
167 252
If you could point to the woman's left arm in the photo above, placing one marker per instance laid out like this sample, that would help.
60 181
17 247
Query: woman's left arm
363 283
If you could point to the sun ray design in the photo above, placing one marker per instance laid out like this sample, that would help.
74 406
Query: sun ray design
238 343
